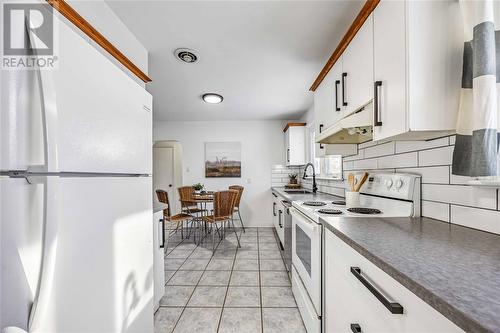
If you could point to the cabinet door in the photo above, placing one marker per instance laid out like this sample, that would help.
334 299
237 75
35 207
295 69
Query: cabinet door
296 152
275 211
328 104
337 104
319 149
389 55
357 69
287 147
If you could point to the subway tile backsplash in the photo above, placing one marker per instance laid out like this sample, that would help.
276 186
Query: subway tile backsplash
279 174
445 196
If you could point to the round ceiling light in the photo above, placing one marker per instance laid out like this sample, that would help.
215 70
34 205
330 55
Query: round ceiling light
212 98
186 55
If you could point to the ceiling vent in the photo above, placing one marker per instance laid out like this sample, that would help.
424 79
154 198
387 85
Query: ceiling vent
186 55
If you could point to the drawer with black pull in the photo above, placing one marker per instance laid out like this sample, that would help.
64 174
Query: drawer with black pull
361 298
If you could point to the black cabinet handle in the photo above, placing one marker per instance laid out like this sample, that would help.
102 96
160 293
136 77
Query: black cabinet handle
337 82
344 102
288 154
279 218
321 129
355 328
394 308
376 121
274 208
162 221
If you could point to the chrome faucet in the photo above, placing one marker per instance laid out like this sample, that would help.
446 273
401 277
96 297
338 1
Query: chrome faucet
315 187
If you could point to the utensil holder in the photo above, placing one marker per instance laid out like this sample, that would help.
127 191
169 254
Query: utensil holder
351 199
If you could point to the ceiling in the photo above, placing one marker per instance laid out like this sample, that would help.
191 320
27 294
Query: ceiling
262 56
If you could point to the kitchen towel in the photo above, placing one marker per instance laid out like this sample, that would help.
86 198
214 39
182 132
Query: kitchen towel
478 128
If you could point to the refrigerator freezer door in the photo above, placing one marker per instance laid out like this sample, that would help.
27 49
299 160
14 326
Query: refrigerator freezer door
103 278
103 118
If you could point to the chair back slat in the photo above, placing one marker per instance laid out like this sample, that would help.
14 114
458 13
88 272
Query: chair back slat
240 189
163 198
186 196
224 203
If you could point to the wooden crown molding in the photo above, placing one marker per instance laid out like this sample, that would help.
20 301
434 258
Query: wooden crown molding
363 14
293 124
72 15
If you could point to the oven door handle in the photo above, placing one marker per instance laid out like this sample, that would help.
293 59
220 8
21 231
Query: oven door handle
303 221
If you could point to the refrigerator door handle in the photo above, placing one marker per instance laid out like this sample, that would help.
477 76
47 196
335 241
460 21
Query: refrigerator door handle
49 111
51 189
49 251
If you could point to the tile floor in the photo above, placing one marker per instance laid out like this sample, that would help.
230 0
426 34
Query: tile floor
240 290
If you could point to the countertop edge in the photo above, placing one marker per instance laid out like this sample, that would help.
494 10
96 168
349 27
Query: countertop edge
447 310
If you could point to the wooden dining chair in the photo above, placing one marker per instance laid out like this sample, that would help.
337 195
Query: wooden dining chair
176 220
240 189
188 203
224 202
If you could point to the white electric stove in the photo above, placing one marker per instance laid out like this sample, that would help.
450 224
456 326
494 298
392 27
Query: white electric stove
382 195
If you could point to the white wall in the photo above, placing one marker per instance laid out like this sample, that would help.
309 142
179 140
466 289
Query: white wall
104 20
262 145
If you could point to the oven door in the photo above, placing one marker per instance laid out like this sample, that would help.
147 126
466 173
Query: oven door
306 255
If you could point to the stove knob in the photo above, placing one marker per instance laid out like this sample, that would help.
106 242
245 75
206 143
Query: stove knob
388 183
399 184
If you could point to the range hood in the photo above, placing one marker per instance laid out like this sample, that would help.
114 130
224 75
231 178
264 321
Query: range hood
354 128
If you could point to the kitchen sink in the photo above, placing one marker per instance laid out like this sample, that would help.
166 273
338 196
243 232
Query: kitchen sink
298 192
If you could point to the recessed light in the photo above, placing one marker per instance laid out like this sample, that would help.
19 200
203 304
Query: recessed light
186 55
212 98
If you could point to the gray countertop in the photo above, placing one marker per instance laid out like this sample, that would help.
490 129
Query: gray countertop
454 269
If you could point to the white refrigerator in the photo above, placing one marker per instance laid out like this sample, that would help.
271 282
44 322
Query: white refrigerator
75 196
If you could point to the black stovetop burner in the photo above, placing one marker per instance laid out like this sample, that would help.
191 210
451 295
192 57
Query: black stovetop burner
329 211
363 210
314 203
339 202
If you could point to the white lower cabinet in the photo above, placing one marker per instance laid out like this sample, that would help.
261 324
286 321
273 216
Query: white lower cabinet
275 211
278 218
349 305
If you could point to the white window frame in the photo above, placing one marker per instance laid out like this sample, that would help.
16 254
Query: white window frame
320 163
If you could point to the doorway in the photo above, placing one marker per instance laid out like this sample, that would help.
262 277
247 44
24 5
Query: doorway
167 171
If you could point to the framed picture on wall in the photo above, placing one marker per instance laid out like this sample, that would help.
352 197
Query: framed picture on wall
223 159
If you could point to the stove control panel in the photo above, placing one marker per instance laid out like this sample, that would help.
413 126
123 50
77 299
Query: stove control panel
392 185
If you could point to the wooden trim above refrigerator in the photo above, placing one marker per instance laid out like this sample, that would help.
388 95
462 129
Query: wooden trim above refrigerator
72 15
363 14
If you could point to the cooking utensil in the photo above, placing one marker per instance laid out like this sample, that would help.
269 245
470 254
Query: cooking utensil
350 179
361 181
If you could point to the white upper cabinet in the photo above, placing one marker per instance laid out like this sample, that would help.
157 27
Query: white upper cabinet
389 69
417 68
357 70
328 107
328 99
295 144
